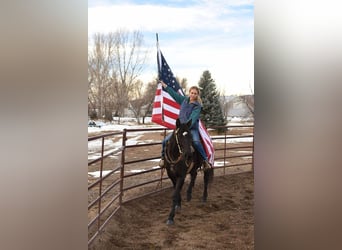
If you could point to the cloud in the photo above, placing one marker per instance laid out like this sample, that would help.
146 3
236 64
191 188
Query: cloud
194 36
205 16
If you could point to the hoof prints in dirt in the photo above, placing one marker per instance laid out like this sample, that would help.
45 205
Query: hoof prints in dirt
226 221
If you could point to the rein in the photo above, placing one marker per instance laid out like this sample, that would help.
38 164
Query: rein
167 153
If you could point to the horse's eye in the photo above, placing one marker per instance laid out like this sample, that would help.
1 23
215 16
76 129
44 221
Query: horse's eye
185 133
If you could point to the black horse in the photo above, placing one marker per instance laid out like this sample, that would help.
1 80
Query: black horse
181 159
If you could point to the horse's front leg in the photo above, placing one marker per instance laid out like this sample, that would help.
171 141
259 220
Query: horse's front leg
191 185
207 176
176 200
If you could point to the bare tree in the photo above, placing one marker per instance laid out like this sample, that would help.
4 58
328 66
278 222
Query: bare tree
248 100
114 64
136 100
92 105
183 83
149 95
100 61
142 103
226 104
130 60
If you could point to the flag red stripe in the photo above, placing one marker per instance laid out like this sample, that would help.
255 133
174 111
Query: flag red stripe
157 105
171 102
207 143
158 91
169 125
170 114
156 118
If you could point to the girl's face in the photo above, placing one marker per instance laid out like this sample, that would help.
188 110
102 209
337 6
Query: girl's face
193 95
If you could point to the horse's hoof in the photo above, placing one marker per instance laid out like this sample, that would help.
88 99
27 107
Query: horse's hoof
170 222
188 198
204 200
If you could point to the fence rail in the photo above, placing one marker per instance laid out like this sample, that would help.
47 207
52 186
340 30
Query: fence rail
118 174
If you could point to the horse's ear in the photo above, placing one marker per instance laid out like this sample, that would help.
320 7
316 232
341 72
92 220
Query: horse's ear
178 123
189 123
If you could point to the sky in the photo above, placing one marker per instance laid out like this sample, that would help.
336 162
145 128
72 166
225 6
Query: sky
194 36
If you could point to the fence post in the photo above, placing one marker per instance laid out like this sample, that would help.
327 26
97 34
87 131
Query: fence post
122 164
100 187
162 170
253 153
225 153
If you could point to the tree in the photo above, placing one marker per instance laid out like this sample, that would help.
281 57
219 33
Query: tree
130 59
212 114
183 83
136 101
148 97
248 100
100 61
114 64
227 104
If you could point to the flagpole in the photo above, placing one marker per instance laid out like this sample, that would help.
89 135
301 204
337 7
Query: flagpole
159 76
158 56
157 40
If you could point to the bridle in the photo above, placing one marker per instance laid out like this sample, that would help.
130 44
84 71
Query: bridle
180 151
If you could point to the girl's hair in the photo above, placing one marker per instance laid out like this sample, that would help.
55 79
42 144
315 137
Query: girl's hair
199 93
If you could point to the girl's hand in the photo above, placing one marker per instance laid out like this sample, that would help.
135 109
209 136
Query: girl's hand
163 84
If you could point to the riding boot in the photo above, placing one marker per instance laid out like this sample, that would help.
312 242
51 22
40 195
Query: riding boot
207 166
161 162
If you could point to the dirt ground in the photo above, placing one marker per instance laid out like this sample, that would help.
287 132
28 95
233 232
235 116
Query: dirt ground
225 221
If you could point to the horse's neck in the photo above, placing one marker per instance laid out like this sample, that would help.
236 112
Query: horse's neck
173 145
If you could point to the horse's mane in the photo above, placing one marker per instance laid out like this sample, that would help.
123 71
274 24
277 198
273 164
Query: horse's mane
179 145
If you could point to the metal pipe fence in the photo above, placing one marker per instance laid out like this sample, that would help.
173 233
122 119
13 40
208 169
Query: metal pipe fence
118 174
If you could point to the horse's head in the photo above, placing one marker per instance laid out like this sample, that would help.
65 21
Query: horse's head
184 138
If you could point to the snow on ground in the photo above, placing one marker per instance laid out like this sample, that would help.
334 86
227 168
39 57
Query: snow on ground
130 123
125 122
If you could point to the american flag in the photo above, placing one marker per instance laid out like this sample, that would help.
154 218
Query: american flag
166 110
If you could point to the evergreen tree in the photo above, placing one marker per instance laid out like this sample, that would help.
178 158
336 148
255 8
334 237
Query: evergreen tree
212 114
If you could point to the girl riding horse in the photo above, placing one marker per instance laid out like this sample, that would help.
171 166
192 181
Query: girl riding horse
189 111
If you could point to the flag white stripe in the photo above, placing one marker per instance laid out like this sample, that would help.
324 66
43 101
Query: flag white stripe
156 111
171 109
167 95
157 98
169 120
